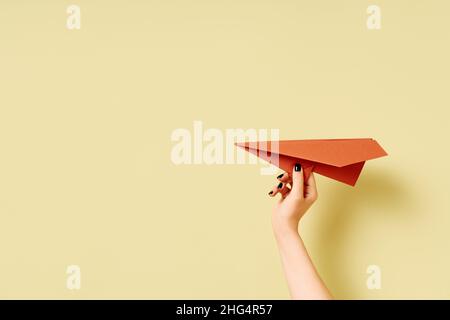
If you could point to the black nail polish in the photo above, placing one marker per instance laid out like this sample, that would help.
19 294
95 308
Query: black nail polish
270 193
298 167
280 185
280 176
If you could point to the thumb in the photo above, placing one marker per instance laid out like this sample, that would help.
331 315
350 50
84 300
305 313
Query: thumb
297 181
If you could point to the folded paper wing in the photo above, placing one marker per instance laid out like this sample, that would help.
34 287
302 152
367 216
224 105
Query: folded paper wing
339 159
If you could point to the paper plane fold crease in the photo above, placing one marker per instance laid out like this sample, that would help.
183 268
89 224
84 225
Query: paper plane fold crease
339 159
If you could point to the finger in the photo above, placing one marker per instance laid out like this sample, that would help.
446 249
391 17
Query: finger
279 188
297 181
274 191
285 177
284 190
311 188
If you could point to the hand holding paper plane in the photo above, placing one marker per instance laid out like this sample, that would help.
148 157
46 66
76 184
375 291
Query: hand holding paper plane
339 159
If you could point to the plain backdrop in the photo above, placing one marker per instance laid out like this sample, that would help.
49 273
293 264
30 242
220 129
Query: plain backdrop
86 118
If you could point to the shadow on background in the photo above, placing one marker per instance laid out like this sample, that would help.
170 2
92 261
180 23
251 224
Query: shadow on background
385 193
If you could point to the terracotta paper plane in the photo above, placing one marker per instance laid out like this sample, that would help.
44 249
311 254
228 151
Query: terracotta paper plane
339 159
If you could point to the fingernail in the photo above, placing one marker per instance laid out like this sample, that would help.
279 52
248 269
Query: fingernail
270 193
280 185
279 177
298 167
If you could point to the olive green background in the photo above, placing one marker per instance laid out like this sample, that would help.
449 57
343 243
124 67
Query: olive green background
85 123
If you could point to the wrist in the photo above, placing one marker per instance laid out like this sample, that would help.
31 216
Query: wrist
285 231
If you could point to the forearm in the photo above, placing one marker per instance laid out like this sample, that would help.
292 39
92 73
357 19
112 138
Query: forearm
302 278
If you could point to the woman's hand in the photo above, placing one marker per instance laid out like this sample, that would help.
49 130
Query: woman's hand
296 198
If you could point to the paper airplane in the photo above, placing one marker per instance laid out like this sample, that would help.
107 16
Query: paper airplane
339 159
